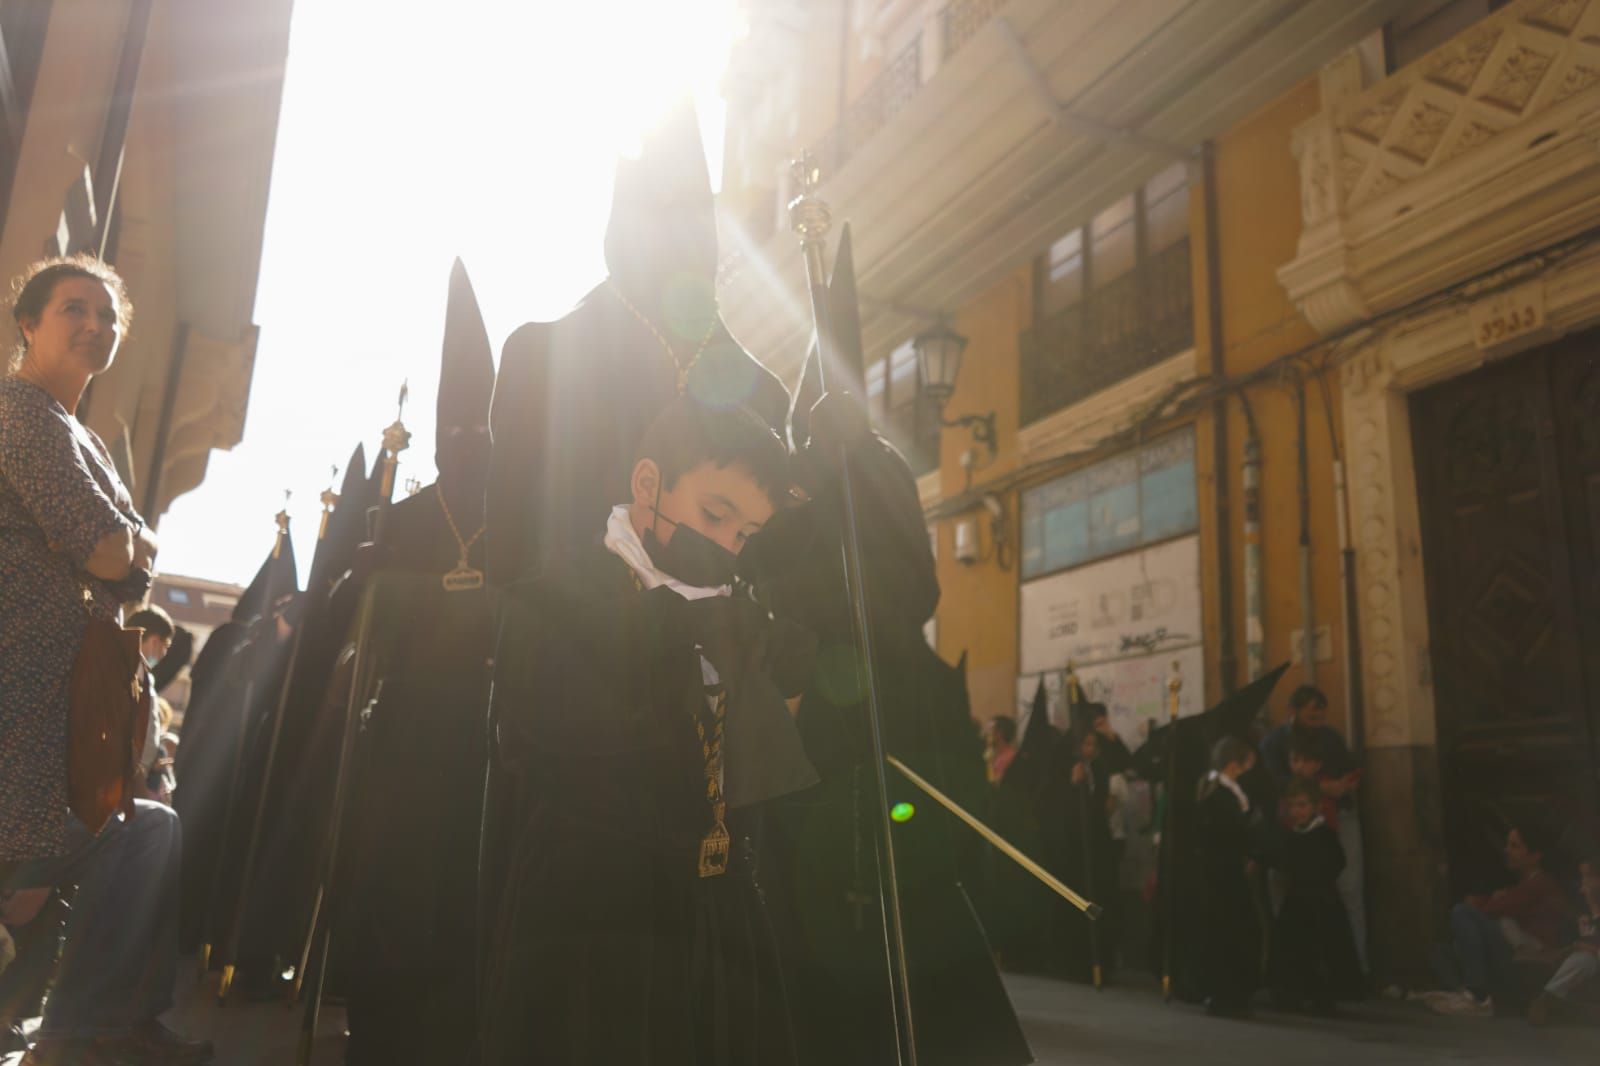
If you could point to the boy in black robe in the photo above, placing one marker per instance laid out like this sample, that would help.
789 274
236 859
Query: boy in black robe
1230 938
1313 960
643 731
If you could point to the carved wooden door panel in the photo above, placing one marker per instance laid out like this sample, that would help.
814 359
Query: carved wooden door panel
1499 459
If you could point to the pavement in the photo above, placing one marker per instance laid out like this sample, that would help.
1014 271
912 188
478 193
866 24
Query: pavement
1067 1025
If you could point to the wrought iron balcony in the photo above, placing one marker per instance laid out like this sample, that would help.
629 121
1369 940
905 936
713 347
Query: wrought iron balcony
896 84
960 21
1118 329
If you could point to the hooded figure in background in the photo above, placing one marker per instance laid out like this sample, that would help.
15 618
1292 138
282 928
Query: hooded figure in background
822 884
406 915
235 679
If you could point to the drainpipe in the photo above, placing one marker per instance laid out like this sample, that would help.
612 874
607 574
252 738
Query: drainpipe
1254 623
1308 611
1227 653
1353 696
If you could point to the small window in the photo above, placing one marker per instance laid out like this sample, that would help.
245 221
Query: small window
1061 274
178 596
877 403
1111 236
902 376
1166 208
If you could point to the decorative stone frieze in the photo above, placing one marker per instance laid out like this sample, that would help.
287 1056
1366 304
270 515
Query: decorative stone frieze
1483 149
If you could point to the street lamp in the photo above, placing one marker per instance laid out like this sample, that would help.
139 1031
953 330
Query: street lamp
939 349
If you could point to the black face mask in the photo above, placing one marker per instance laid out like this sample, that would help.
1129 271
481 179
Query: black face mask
690 556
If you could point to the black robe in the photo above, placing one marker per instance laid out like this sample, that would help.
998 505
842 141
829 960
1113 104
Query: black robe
406 924
1229 933
1313 960
823 887
1076 838
609 947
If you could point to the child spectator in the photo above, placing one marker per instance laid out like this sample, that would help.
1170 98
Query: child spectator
1582 964
1313 960
1305 765
1485 931
1001 747
1230 939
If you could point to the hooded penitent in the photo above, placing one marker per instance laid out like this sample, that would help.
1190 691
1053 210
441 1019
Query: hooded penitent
404 905
574 396
846 367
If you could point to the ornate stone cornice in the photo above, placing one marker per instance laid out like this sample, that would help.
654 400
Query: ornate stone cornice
1483 150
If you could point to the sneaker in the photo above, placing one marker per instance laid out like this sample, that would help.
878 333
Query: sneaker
154 1042
1463 1005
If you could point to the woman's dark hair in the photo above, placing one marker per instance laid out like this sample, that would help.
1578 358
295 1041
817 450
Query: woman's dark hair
688 433
32 289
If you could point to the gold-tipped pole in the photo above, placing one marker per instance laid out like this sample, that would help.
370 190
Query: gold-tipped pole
1170 888
1074 702
330 500
1089 908
282 518
396 439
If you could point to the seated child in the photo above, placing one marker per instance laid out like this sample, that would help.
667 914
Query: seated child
1313 960
643 733
1582 964
1230 940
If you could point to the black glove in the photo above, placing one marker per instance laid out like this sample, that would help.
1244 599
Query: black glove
133 588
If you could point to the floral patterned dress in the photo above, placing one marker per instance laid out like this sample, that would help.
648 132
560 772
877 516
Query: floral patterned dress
59 495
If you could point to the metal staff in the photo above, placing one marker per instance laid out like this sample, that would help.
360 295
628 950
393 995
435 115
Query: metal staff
356 709
1168 837
214 899
810 218
1090 909
1075 701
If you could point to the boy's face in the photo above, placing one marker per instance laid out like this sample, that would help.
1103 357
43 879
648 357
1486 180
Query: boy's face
1301 810
1518 856
1589 879
1304 765
1313 715
1088 746
722 503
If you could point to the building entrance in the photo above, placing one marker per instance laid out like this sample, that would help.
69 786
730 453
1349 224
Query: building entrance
1508 474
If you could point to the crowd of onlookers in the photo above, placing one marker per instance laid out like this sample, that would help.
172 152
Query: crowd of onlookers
1274 864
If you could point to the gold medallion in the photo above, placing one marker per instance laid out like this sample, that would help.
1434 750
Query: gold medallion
463 579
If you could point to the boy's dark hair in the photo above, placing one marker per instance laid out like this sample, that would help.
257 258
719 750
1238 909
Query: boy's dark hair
1303 786
154 621
1308 696
1005 727
1536 839
1231 750
688 433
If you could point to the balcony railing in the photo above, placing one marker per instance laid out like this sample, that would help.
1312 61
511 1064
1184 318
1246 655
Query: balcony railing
961 20
1119 329
890 91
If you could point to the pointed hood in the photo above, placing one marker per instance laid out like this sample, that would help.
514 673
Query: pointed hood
1038 734
466 385
277 577
466 367
1234 716
346 527
661 240
846 368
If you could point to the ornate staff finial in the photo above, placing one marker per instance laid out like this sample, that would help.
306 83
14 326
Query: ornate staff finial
396 439
1074 690
1174 686
282 519
330 500
808 215
413 486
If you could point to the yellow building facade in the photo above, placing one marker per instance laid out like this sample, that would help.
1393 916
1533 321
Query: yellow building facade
1383 202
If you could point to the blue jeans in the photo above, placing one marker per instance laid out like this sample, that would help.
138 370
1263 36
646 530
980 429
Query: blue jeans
1481 952
1577 970
121 953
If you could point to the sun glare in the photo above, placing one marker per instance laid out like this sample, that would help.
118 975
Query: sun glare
411 134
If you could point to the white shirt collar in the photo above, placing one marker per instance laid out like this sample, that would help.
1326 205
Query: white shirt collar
1232 786
624 543
1309 826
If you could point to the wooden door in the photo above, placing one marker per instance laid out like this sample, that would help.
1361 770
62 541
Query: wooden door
1508 469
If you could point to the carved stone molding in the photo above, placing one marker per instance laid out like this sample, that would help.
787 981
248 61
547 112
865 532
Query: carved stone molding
1484 149
1376 383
